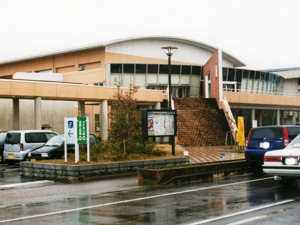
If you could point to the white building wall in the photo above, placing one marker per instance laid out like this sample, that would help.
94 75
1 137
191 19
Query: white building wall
152 48
291 86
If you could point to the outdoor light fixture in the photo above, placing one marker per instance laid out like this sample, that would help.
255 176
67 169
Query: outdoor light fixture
170 50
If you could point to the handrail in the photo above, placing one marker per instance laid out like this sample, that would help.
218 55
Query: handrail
261 92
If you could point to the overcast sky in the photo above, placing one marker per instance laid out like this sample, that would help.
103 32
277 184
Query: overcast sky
264 34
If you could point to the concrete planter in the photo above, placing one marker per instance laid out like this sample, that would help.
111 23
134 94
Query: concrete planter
76 173
190 172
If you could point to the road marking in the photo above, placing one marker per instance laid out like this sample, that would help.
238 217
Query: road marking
10 186
247 220
242 212
130 200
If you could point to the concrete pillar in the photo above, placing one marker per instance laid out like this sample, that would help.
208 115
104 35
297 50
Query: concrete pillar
260 120
103 120
81 108
38 112
278 117
16 114
157 105
252 115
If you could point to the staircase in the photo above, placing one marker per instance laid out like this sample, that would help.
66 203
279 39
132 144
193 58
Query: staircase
200 122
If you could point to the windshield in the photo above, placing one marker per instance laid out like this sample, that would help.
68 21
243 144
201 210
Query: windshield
55 141
295 143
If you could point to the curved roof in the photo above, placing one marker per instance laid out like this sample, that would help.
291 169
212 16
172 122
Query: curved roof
227 56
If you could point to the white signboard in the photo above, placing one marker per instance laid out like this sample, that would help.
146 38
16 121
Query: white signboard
71 129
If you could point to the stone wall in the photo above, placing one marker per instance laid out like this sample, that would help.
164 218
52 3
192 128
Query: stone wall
75 173
200 122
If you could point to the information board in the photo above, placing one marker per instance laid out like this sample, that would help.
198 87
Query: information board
160 123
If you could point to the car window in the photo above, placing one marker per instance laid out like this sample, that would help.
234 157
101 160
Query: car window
13 138
50 135
2 136
93 140
55 141
267 133
35 137
293 132
295 143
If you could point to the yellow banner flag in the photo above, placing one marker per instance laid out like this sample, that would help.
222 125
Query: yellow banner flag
241 131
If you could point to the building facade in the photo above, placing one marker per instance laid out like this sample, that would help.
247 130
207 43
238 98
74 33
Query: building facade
39 91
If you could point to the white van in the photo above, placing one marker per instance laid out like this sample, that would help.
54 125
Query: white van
19 142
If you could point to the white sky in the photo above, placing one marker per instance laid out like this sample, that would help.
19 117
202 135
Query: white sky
264 34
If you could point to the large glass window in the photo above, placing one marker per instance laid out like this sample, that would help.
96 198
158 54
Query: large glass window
128 68
231 74
153 68
196 70
116 68
186 70
140 68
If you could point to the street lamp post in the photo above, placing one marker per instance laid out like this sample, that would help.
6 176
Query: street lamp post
170 50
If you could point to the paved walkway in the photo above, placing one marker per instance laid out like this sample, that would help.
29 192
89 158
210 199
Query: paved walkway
213 153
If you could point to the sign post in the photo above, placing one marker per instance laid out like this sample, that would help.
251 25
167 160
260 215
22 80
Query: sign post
77 132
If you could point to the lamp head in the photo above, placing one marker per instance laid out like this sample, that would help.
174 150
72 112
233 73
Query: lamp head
169 50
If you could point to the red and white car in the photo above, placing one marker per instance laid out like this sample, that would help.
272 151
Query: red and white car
284 164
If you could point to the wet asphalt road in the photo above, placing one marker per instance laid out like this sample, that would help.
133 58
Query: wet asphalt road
237 200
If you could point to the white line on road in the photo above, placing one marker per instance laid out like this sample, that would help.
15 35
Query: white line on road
130 200
247 220
242 212
10 186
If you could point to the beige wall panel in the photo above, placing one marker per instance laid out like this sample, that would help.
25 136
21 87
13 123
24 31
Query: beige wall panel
65 69
19 88
105 93
42 64
86 77
48 90
65 60
155 96
85 92
5 87
66 91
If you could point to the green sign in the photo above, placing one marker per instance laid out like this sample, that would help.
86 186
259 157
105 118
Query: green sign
81 130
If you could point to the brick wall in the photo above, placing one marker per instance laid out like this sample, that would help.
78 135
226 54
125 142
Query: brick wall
200 122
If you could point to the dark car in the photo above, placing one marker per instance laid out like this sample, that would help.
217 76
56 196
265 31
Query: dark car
267 138
2 141
55 149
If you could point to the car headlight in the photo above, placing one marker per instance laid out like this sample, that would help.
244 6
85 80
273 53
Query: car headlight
45 155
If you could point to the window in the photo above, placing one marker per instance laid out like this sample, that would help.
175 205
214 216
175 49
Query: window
231 74
164 69
140 68
153 68
100 84
97 123
128 68
116 68
196 70
186 70
35 137
13 138
175 69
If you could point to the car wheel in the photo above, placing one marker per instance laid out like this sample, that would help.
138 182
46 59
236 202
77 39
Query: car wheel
286 181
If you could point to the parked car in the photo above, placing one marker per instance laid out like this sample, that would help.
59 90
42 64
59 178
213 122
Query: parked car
19 142
267 138
54 148
284 164
2 139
